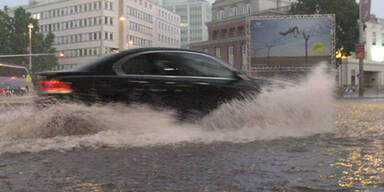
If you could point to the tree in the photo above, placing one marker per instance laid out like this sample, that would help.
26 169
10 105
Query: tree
347 15
15 37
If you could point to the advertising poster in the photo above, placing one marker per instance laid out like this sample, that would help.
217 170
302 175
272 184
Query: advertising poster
291 43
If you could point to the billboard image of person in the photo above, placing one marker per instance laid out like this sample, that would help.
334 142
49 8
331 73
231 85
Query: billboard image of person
291 42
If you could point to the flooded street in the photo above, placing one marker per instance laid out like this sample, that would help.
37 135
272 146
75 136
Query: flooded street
297 138
348 159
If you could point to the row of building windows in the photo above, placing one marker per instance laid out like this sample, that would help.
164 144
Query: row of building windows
196 38
164 27
86 52
146 4
234 11
168 40
140 28
73 10
230 50
168 16
139 14
86 22
84 37
231 32
138 41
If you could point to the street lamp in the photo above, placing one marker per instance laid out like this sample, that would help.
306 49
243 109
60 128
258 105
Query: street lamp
122 18
30 27
129 44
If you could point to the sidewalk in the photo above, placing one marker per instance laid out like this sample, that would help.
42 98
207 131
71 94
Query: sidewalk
16 100
367 95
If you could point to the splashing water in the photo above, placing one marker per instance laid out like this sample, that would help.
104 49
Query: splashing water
298 110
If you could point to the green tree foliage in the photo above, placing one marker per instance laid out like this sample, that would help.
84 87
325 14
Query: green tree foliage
14 40
347 15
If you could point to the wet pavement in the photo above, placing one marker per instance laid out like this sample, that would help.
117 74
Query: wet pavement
349 158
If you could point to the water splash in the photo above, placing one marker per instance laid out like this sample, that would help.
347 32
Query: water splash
298 110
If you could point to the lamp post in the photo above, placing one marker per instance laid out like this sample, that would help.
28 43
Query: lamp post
130 43
122 20
30 27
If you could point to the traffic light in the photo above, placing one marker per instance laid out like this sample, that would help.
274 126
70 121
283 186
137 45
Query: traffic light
61 54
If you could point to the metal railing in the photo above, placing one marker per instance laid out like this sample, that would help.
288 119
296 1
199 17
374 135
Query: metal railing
369 90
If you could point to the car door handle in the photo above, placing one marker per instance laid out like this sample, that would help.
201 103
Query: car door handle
170 83
201 83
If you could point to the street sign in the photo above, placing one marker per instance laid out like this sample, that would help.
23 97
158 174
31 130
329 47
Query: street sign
360 51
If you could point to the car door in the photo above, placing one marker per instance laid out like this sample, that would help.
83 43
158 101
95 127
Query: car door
192 81
138 80
213 81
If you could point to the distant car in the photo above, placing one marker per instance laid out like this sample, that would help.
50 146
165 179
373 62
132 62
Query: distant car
14 80
184 80
2 92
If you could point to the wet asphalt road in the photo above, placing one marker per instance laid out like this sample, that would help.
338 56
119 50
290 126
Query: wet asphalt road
290 164
348 159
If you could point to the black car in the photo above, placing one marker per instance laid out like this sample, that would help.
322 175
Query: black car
183 80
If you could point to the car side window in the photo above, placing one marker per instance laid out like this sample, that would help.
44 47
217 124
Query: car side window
167 63
188 64
176 64
200 65
139 65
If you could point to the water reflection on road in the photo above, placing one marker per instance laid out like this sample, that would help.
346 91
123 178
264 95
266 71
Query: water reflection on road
360 145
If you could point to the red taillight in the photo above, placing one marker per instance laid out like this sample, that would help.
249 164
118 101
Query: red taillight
55 86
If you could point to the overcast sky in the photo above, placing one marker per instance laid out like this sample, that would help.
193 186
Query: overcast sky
377 5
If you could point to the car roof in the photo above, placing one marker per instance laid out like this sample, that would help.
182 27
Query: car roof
99 63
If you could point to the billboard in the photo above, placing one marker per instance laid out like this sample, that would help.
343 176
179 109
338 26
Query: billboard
290 43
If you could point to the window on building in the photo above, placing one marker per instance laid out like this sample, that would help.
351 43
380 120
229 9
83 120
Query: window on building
218 52
221 12
215 35
233 11
243 48
240 31
231 32
382 39
223 33
248 8
230 51
374 38
230 55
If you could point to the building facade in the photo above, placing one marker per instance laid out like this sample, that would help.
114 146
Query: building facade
227 31
194 15
348 75
87 29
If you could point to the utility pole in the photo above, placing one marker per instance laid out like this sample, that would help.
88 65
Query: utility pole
365 13
306 38
30 27
361 61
